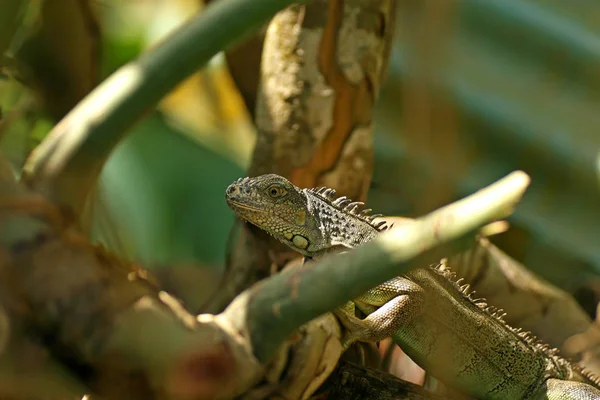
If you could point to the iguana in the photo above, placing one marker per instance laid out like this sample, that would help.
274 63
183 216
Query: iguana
460 340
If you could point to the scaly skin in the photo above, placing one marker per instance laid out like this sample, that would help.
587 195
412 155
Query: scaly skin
459 340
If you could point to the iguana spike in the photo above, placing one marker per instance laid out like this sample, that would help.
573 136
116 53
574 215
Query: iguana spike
372 217
337 201
329 193
384 228
342 204
352 207
379 224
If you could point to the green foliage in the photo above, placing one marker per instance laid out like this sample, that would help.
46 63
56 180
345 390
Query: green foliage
165 196
507 85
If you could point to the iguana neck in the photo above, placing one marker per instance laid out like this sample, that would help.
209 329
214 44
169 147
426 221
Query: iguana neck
340 220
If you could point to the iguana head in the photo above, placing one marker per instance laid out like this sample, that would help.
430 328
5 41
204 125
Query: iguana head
276 206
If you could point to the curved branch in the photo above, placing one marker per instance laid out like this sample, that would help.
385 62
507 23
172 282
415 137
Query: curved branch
67 163
275 307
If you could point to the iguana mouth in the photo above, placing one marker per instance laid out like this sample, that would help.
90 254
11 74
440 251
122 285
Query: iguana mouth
245 206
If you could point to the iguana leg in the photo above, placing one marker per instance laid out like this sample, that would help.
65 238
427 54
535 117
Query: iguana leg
557 389
389 305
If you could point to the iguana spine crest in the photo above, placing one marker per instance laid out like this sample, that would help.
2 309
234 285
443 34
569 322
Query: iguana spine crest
349 207
527 337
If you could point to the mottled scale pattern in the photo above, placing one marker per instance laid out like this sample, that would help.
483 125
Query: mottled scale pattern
347 208
489 359
563 368
339 226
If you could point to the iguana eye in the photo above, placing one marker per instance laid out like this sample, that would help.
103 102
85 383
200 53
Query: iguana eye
275 191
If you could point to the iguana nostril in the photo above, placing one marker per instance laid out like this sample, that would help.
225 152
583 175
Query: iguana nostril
247 189
232 189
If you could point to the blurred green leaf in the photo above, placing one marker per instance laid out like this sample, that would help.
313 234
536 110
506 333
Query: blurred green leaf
165 197
516 86
11 14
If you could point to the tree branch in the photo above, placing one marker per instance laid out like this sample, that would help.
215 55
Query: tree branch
102 318
275 307
322 67
67 163
350 381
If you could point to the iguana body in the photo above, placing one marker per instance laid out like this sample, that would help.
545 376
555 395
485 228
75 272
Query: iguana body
459 340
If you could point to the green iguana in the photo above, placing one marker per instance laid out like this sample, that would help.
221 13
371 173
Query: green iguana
458 339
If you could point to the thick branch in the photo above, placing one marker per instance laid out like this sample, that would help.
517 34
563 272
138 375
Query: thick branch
350 381
321 71
27 371
101 317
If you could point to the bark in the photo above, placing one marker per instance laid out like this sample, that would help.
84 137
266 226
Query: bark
350 381
322 67
104 321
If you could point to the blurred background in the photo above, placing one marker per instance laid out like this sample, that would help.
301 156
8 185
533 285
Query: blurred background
475 89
